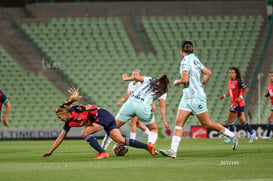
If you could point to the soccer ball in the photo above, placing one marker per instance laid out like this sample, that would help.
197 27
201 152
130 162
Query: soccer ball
120 150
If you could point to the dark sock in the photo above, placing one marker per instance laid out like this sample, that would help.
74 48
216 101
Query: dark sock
135 143
269 128
231 127
248 128
94 143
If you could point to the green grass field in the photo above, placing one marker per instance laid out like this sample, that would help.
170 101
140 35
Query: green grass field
203 159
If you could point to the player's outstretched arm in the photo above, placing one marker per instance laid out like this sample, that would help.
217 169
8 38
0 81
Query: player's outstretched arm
56 144
131 78
124 98
223 96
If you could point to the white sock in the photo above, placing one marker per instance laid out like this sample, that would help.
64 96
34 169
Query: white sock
152 137
132 135
175 143
147 132
106 142
228 133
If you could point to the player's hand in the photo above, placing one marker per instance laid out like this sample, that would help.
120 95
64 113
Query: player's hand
121 101
265 94
176 83
47 154
124 76
221 97
237 99
5 122
166 125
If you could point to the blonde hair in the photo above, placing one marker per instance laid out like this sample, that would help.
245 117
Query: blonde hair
72 100
137 71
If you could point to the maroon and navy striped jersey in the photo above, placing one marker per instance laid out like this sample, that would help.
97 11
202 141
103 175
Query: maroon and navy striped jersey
235 89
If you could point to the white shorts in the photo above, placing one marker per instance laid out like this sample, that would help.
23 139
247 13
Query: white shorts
194 105
131 109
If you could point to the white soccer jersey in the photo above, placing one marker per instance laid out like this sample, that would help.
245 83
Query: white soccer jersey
133 86
194 88
144 93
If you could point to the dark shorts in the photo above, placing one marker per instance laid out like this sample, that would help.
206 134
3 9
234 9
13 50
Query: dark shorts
235 109
107 120
271 107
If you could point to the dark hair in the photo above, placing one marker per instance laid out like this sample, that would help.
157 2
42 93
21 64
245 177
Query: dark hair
160 86
187 46
270 72
237 71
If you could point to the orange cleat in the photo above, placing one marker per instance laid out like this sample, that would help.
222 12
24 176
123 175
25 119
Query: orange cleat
151 149
102 155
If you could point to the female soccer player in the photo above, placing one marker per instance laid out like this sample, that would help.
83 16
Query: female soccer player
4 101
193 99
94 119
269 93
134 122
237 90
140 104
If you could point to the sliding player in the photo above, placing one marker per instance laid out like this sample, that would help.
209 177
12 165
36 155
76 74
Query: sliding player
93 119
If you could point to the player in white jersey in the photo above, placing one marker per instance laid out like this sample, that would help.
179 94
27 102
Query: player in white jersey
140 104
193 99
134 122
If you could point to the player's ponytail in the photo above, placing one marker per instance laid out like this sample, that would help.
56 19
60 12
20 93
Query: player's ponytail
73 99
160 86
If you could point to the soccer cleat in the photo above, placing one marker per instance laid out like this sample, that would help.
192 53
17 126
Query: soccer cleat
234 143
227 140
102 155
168 153
253 138
266 138
151 149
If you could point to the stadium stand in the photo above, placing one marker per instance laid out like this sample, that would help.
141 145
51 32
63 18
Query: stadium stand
94 52
216 41
33 98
